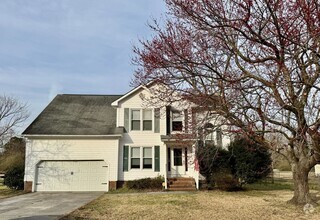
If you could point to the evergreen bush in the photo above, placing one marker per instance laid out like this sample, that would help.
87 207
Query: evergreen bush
14 177
251 161
243 162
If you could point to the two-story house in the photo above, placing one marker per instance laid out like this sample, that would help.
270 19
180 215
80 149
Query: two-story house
97 142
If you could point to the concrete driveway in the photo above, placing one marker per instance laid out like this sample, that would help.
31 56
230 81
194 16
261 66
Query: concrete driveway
44 205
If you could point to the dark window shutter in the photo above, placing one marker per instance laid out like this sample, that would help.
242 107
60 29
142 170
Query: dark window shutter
186 121
126 119
125 158
157 120
193 119
156 158
169 158
168 119
186 158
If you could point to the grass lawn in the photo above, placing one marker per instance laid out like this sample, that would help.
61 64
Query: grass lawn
259 201
5 192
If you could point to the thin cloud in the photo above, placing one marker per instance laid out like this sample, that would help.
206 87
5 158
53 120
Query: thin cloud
74 46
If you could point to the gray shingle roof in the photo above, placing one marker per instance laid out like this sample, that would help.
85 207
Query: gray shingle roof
77 115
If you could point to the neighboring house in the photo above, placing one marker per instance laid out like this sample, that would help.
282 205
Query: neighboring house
97 142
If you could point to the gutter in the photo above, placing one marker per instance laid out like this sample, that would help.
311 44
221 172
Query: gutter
46 136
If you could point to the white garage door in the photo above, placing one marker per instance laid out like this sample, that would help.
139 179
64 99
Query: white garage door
72 176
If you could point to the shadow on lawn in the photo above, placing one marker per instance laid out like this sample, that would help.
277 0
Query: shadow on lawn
278 184
281 184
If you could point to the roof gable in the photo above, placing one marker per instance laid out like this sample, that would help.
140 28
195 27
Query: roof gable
130 93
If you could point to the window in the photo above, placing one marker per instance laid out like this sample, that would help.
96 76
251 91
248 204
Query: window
135 157
141 119
147 119
176 121
209 134
141 157
135 120
147 158
219 137
177 157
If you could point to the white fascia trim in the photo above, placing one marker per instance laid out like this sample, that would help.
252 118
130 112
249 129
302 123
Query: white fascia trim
43 136
116 102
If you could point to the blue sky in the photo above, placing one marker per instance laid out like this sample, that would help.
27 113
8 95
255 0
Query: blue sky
50 47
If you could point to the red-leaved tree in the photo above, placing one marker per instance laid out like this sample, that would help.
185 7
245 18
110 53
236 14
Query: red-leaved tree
258 61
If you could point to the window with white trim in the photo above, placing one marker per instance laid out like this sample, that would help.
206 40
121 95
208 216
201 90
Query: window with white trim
147 158
177 121
141 157
219 137
141 119
147 119
135 157
135 120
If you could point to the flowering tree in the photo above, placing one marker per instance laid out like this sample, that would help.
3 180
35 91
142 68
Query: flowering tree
258 61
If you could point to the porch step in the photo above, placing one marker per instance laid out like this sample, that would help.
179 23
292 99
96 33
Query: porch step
181 184
181 179
182 189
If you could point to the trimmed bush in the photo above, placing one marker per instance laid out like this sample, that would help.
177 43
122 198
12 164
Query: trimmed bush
146 183
14 177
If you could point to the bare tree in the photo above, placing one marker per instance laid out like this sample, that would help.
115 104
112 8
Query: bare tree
12 114
258 61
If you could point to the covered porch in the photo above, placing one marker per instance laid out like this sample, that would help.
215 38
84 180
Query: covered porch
181 168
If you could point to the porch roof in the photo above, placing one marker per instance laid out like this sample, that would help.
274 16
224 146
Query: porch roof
176 138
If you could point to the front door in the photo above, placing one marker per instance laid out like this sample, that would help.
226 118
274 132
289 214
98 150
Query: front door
177 162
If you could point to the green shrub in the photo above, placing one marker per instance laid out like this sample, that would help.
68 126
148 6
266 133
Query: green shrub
13 154
211 161
146 183
14 177
243 162
251 162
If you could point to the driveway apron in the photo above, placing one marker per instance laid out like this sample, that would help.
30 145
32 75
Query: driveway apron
44 205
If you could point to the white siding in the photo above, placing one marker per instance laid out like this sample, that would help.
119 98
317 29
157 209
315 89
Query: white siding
149 138
71 149
141 138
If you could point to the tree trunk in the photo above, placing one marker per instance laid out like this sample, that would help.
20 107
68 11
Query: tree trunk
300 173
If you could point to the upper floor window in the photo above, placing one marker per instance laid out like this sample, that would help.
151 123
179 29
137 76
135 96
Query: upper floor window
177 121
141 119
147 119
219 137
213 135
135 120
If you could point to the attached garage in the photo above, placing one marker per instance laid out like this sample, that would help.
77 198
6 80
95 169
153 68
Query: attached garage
72 176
